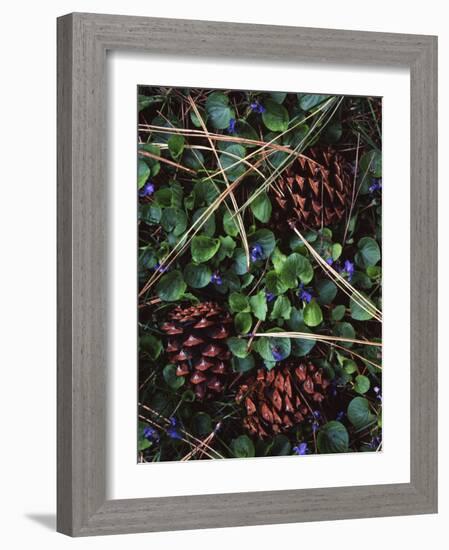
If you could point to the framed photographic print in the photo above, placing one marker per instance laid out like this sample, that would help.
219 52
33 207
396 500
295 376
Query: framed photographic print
247 274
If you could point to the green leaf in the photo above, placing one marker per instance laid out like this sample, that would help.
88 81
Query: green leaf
194 118
194 159
350 366
332 438
266 239
208 227
357 312
150 213
174 220
202 424
282 308
163 196
238 346
176 146
369 252
275 117
204 248
327 290
313 315
243 364
218 110
239 265
266 345
143 173
230 164
229 224
274 283
259 305
261 208
308 101
338 313
281 446
371 164
152 163
245 130
345 330
143 442
173 381
238 303
243 447
144 101
359 413
362 384
336 251
171 286
197 276
151 345
296 266
243 322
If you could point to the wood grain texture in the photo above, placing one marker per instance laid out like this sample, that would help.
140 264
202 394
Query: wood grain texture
83 40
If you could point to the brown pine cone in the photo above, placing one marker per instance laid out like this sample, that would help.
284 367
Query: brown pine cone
315 191
197 345
278 399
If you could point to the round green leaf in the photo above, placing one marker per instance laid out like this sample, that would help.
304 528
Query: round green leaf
275 117
333 438
280 446
243 364
243 447
265 346
230 161
261 208
197 276
369 252
151 345
266 239
259 305
345 330
176 146
294 267
204 248
243 322
229 224
175 220
208 227
202 424
308 101
218 110
143 173
327 290
313 315
359 413
238 346
238 303
371 164
358 312
282 308
171 286
173 381
362 384
338 313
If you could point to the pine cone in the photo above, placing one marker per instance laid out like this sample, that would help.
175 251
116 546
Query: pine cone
196 344
314 191
278 399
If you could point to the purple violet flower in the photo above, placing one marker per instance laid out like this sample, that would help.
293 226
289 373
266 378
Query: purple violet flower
150 433
304 294
147 189
270 296
340 416
172 430
277 354
257 107
348 268
216 278
256 252
376 185
329 261
160 268
300 449
231 128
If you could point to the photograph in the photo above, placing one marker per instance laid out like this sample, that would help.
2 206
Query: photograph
259 304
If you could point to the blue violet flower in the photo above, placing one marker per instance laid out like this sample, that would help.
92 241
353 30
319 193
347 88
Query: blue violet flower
147 189
300 449
172 430
256 252
257 107
231 128
216 278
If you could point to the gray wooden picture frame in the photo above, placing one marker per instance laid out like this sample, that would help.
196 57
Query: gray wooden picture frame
83 40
